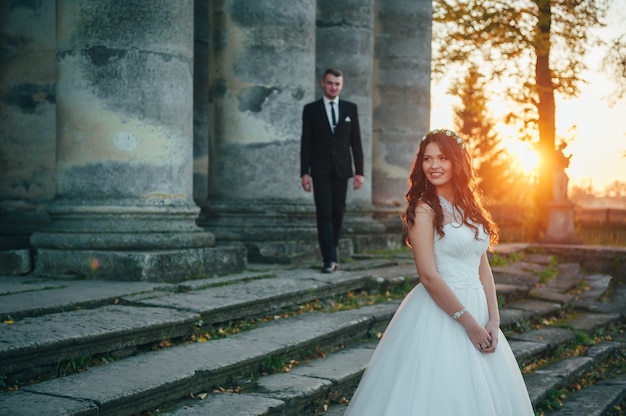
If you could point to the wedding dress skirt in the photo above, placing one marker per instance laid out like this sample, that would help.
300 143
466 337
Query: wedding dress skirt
425 363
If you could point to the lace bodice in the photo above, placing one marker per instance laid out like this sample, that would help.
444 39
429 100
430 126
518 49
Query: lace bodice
458 252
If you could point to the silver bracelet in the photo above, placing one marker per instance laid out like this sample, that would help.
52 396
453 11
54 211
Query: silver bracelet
458 314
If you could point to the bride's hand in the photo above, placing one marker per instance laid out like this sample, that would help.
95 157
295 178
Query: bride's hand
493 329
480 337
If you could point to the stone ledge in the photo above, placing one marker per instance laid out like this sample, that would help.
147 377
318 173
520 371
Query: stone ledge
153 266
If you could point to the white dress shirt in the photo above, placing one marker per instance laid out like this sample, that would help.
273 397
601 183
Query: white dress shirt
328 111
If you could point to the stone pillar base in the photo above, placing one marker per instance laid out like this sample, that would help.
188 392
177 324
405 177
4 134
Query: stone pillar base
285 231
561 224
172 265
15 262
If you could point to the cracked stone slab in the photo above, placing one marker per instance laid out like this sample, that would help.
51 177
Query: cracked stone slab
514 277
539 384
22 403
597 284
549 335
343 367
296 391
229 404
510 290
126 387
245 299
591 322
550 295
59 296
568 369
46 340
601 351
543 259
509 316
595 400
554 376
567 278
147 380
199 284
537 308
615 304
16 284
526 351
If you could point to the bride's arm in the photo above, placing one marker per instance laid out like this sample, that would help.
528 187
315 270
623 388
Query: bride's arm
486 278
421 236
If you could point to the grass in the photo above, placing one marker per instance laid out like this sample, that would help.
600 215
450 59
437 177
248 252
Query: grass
549 272
499 260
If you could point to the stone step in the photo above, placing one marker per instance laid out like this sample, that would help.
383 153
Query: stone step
113 318
148 380
146 313
140 382
598 399
339 373
563 372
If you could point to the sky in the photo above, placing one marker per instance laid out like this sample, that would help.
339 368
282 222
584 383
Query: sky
598 130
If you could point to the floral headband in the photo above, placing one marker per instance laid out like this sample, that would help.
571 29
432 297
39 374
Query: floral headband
448 133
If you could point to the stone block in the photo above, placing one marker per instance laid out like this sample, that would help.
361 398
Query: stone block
172 265
15 262
229 404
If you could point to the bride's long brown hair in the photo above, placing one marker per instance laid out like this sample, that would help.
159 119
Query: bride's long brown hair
468 198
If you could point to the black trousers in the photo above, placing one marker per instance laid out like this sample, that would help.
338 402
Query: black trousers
329 193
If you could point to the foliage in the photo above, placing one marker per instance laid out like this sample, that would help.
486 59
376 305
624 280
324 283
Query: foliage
491 161
614 64
535 48
504 260
277 364
616 189
549 272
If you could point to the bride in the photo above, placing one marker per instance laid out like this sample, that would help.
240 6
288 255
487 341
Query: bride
443 353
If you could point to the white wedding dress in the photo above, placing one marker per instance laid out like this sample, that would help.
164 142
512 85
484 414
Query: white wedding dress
425 363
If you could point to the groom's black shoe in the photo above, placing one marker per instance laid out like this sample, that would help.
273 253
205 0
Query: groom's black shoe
329 268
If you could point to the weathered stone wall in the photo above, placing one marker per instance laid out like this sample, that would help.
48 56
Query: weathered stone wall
27 118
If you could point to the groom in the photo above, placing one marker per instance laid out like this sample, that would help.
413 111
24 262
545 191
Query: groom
330 140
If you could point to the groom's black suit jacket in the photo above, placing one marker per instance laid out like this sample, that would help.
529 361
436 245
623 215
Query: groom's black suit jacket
321 150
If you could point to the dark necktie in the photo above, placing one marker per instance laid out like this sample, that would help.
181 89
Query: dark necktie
332 114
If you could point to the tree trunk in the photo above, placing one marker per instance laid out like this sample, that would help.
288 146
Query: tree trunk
545 110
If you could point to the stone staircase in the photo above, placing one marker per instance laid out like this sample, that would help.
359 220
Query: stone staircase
275 340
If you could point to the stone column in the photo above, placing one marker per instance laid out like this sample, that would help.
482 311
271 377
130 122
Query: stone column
402 97
345 39
201 101
401 94
262 72
27 125
123 207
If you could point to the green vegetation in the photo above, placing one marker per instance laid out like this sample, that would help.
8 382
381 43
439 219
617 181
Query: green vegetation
499 260
550 272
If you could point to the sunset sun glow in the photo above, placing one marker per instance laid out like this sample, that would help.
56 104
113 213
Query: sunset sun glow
525 156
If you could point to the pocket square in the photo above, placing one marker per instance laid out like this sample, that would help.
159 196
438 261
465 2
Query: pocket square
347 119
